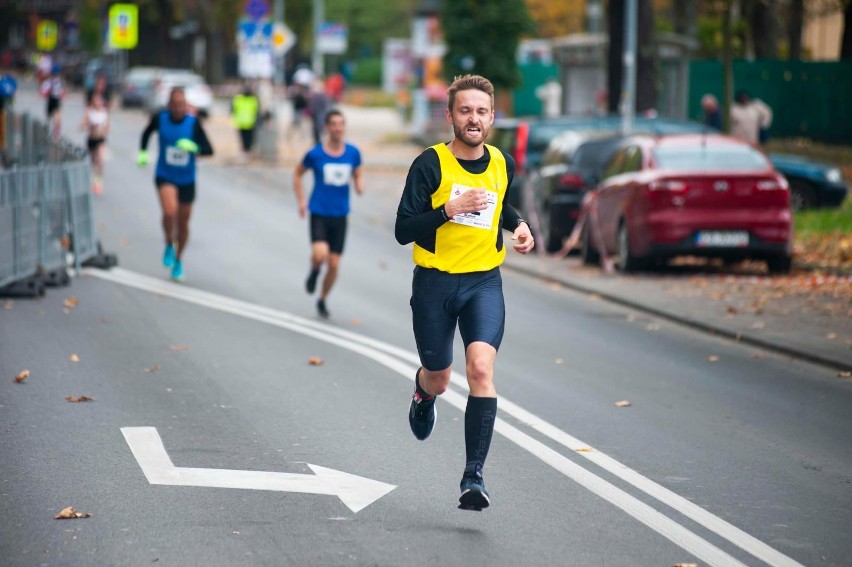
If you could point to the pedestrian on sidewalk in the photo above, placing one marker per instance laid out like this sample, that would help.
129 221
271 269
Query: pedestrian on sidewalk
53 89
751 119
245 109
453 208
319 103
181 139
96 124
588 227
335 165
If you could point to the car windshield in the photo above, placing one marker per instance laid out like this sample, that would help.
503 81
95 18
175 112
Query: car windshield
709 158
592 156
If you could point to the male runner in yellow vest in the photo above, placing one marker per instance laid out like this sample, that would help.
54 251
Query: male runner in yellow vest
453 208
244 111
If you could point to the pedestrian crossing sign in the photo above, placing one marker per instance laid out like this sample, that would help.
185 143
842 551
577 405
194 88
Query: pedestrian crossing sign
123 26
46 35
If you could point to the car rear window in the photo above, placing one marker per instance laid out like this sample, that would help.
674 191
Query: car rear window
709 158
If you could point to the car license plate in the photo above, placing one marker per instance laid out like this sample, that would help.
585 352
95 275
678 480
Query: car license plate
722 239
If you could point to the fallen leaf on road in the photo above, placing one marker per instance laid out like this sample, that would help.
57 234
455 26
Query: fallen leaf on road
75 399
712 358
558 361
123 242
686 565
623 404
831 336
758 325
74 358
7 305
70 513
178 347
70 302
22 375
356 322
652 327
101 319
844 374
758 355
584 450
732 310
154 368
594 297
315 361
66 242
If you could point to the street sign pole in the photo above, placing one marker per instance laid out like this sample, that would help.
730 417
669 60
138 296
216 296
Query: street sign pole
319 16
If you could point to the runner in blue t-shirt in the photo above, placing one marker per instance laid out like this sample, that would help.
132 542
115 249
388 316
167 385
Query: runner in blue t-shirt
335 164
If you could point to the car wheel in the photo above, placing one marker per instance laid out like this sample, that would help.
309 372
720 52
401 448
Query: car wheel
802 195
627 261
779 264
587 249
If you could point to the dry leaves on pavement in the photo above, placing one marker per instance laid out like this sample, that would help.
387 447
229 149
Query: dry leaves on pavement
75 399
584 449
623 404
70 513
74 358
7 305
315 361
712 358
154 368
70 302
178 347
22 375
686 565
845 374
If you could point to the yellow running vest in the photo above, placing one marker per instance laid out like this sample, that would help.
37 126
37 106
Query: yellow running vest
468 243
245 111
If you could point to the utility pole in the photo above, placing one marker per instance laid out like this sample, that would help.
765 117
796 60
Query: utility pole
316 60
628 99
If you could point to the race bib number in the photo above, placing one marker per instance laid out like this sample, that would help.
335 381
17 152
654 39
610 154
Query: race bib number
480 219
337 173
176 156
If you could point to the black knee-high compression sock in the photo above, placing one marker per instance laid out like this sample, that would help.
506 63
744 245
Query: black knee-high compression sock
420 391
478 426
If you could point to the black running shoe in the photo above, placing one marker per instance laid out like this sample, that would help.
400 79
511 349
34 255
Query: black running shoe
321 309
421 415
311 282
473 495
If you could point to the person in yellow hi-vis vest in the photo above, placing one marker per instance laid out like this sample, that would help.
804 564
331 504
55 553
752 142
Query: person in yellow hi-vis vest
453 208
245 109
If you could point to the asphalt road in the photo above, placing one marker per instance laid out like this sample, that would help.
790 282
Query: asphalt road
743 460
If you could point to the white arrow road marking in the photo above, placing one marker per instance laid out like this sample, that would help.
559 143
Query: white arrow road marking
355 491
405 363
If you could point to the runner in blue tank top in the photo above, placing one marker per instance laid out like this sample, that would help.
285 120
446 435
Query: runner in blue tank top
335 164
181 138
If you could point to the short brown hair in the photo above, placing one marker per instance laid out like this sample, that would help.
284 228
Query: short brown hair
468 82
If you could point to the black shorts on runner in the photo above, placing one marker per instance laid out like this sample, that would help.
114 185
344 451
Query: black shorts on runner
329 229
93 143
186 193
53 105
440 301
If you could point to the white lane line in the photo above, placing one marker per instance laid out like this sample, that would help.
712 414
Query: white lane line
379 351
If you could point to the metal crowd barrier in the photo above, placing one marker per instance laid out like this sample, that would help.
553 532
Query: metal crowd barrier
46 214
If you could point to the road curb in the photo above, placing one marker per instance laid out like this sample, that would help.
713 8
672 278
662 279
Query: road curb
685 321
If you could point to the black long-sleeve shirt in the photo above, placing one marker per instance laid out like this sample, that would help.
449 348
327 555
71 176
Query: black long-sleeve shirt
415 217
198 134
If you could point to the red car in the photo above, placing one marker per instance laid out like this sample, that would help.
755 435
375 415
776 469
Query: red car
696 194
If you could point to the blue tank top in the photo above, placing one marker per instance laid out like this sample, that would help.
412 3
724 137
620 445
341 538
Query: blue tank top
173 164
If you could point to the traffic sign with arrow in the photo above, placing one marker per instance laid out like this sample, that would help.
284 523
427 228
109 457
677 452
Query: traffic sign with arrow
355 491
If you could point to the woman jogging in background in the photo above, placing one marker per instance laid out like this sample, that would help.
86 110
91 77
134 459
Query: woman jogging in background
96 125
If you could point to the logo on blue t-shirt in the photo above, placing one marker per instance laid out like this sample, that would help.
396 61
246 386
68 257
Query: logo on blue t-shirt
332 176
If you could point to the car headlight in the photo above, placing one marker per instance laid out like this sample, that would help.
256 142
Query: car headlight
834 175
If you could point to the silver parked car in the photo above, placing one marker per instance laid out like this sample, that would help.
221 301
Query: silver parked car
198 93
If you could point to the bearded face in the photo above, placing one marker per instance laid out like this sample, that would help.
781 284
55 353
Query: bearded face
471 117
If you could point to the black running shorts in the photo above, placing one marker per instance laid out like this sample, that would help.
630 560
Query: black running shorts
186 193
329 229
440 301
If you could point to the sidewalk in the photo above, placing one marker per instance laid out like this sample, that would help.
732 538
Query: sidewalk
805 316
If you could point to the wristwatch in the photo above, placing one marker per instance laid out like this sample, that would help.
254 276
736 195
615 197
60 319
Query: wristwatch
522 221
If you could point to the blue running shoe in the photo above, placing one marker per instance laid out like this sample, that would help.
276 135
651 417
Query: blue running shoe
177 271
421 414
169 256
473 495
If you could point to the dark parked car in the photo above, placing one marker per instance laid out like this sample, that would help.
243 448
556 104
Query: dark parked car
812 184
571 166
706 195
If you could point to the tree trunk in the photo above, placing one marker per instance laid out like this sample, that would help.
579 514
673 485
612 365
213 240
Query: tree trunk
763 21
646 58
846 43
685 15
615 72
727 62
795 21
